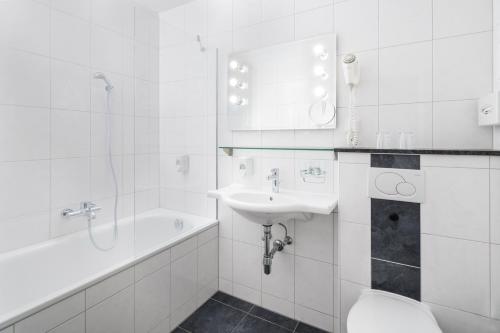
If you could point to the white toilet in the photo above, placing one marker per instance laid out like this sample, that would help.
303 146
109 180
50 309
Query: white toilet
382 312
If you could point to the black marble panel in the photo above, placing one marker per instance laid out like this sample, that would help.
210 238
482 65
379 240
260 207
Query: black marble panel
213 317
395 278
251 324
395 161
470 152
304 328
273 317
395 231
232 301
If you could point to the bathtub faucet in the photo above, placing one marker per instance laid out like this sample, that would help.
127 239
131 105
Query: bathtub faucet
87 208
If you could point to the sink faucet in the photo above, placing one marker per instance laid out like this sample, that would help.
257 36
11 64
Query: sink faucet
274 177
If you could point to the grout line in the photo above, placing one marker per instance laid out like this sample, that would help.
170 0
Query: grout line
395 263
241 320
296 325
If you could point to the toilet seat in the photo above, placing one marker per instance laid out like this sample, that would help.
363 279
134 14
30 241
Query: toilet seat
382 312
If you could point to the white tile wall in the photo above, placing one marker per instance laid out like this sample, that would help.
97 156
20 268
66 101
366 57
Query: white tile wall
52 113
140 299
459 257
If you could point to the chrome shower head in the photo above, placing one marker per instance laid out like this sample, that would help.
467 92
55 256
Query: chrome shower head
101 76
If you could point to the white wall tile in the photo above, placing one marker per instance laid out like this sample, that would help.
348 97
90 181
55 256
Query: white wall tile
495 281
494 207
406 73
70 180
272 9
415 118
115 314
183 248
356 25
354 204
452 320
278 305
463 212
70 38
183 280
70 86
80 8
460 17
208 268
226 258
25 188
405 21
74 325
304 5
314 284
314 22
247 265
246 13
355 254
70 134
52 316
24 79
25 230
455 273
152 300
462 67
33 123
455 126
314 318
112 285
25 25
314 239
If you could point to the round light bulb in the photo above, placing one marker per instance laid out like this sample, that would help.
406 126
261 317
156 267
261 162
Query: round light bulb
320 52
319 71
234 65
233 82
243 69
320 92
235 100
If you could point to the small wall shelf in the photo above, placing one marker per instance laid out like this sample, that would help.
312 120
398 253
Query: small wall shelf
229 150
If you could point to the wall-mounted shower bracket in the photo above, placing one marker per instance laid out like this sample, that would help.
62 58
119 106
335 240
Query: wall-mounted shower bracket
278 246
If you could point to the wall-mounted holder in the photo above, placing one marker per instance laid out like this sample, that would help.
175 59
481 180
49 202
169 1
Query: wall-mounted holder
313 175
245 166
182 163
488 113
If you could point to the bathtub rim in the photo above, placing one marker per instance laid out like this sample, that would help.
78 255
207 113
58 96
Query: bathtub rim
10 318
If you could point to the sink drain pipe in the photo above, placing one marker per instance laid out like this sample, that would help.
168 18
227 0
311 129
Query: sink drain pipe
278 246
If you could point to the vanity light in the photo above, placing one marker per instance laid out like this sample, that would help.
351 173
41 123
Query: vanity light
235 83
320 92
236 100
320 52
236 66
319 71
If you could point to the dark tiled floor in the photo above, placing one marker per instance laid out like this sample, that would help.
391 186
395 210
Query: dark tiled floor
224 313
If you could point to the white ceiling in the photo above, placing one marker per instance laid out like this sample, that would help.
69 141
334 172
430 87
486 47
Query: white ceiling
161 5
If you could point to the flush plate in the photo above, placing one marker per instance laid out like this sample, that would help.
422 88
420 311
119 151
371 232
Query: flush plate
396 184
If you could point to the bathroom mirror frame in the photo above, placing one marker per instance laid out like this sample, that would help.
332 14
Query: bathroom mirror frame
286 86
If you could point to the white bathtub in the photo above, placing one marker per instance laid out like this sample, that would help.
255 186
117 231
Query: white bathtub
35 277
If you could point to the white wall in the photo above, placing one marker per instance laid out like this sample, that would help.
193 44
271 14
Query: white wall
424 62
154 295
52 153
460 248
187 110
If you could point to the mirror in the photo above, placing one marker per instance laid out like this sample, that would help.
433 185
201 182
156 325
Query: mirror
284 86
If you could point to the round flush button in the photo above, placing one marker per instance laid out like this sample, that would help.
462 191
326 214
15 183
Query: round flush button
406 189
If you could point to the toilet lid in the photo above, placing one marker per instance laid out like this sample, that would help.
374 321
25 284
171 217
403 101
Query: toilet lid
382 312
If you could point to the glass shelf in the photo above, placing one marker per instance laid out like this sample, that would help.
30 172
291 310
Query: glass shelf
229 150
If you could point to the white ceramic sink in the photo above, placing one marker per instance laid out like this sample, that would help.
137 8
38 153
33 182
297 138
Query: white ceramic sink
269 208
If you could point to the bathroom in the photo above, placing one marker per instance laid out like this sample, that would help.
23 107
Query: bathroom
249 166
